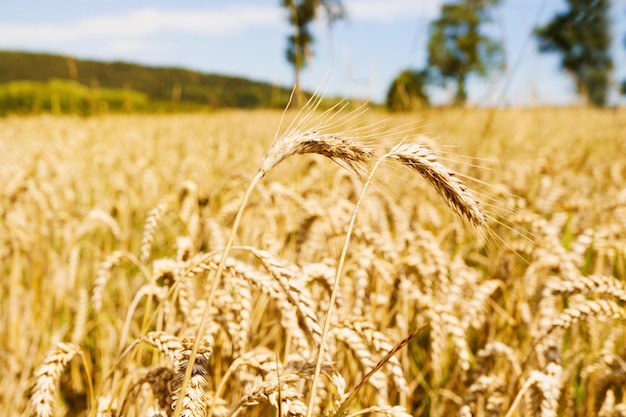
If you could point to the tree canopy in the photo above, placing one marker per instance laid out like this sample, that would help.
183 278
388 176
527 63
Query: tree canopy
581 35
407 92
301 14
457 47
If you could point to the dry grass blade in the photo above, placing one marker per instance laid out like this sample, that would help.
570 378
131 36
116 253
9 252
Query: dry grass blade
346 403
457 195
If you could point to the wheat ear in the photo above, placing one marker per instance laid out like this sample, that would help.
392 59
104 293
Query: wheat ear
192 397
47 374
457 195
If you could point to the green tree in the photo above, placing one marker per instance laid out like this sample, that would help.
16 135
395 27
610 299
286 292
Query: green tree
581 35
301 14
457 48
407 91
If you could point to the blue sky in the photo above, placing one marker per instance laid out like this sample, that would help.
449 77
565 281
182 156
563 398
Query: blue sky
248 38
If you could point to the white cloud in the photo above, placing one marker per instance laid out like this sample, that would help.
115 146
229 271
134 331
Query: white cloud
132 25
141 23
387 11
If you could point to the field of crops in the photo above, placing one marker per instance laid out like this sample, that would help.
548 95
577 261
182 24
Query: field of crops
485 249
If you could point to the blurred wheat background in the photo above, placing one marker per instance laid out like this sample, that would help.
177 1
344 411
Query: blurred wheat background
111 228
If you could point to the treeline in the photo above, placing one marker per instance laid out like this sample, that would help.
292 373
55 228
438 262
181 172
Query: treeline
46 82
459 46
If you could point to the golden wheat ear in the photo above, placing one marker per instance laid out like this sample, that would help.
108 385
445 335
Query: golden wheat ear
460 198
340 149
47 376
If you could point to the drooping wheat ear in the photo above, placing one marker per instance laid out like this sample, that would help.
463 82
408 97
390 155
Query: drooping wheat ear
385 410
338 148
156 412
446 326
379 344
102 276
593 284
167 344
47 374
476 308
545 391
460 198
291 279
364 356
276 388
152 221
99 215
484 397
495 348
80 316
588 309
189 211
193 400
160 380
146 290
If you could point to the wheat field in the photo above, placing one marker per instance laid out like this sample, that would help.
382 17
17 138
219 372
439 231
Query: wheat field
450 263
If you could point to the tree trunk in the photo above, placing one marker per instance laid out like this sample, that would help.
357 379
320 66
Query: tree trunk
461 94
295 101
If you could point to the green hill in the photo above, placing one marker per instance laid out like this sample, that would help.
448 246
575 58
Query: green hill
176 88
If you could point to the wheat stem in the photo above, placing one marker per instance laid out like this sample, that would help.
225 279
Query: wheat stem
215 280
335 289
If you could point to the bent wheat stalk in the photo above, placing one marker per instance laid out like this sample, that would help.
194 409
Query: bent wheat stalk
458 196
335 289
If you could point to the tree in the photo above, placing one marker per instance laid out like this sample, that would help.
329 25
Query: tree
456 46
301 14
623 86
581 35
407 91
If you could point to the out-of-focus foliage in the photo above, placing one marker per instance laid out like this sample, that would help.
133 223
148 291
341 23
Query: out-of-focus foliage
164 85
457 47
581 35
407 91
62 96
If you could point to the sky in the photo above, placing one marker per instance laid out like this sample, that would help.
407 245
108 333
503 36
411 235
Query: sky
358 57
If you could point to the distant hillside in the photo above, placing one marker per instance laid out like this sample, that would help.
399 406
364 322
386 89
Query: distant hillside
175 85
